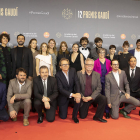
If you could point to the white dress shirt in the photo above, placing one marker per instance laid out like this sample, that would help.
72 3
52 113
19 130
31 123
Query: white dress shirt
116 75
130 71
67 77
137 55
20 85
84 52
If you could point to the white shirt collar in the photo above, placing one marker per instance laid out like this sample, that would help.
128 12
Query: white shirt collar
20 83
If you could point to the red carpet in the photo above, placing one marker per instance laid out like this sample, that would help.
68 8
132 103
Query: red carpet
87 129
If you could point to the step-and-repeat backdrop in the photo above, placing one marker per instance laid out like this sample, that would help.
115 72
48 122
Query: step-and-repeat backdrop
68 20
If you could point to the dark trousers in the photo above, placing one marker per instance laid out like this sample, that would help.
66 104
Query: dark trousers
107 109
4 115
50 113
63 107
100 100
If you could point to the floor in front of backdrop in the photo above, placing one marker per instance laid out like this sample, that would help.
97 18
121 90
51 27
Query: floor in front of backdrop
87 129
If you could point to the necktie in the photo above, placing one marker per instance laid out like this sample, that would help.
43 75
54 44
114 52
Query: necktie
84 48
45 89
132 74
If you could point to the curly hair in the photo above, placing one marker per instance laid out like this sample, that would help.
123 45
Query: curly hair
5 35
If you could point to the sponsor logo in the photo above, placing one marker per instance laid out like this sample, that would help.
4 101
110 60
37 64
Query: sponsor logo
124 16
46 34
133 36
67 14
86 35
11 12
97 35
70 35
108 36
123 36
58 35
131 45
16 33
30 35
38 13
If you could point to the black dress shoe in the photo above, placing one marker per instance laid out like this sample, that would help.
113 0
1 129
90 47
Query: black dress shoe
40 119
75 120
107 116
99 119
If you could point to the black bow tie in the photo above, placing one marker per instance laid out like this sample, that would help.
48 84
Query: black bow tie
84 48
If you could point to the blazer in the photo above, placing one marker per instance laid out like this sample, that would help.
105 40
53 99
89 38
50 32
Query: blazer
134 83
112 90
96 84
52 91
64 88
132 51
3 95
97 66
94 54
13 89
27 61
115 57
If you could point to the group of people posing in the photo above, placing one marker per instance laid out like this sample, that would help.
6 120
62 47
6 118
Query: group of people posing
47 80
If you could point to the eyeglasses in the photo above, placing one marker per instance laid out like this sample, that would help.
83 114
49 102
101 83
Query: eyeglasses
89 65
115 64
64 65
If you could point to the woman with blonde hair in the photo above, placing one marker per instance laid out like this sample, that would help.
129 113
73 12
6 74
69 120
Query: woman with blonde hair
53 53
44 59
62 53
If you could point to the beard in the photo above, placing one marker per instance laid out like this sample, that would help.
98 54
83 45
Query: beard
20 43
21 80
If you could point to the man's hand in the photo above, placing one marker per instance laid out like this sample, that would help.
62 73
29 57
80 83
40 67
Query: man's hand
0 76
12 99
30 78
86 99
45 99
119 53
47 105
127 95
109 105
13 114
77 97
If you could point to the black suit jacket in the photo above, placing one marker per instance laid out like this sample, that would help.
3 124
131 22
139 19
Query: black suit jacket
64 88
115 57
134 84
3 95
27 61
52 91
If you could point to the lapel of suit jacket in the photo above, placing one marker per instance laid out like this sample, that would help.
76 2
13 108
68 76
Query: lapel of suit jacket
128 74
41 85
16 85
48 85
84 78
64 78
93 76
15 53
115 79
136 73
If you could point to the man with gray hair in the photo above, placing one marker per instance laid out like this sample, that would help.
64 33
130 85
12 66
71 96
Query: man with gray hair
45 93
90 86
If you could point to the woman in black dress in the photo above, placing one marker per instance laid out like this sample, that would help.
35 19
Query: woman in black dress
124 56
62 53
112 50
76 58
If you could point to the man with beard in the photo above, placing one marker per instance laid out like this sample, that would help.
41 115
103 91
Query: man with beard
136 52
19 94
98 42
22 57
45 93
84 49
117 91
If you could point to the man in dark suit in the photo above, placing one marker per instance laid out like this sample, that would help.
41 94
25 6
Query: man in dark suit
3 113
84 49
98 42
45 93
133 77
69 88
22 57
117 91
90 86
136 52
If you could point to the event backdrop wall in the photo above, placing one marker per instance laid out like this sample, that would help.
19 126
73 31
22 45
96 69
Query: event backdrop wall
68 20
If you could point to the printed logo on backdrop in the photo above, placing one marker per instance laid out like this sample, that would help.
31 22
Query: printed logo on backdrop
131 45
38 13
70 35
123 36
125 16
97 35
11 12
133 36
93 14
16 33
86 35
33 35
67 14
112 36
58 35
46 35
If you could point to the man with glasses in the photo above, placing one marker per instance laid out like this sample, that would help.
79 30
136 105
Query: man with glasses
69 89
90 86
117 91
